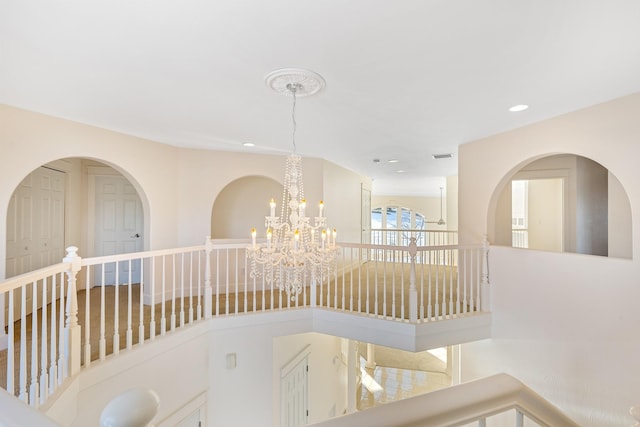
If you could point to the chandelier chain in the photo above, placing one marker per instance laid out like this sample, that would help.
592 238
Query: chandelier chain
293 89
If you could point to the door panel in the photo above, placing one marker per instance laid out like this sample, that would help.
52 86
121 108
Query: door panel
118 228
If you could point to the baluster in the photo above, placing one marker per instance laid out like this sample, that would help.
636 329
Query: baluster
264 294
152 285
163 295
404 260
465 305
519 418
485 303
429 309
438 257
271 292
394 264
23 347
208 291
129 334
421 303
87 318
351 270
457 310
182 313
236 278
368 287
344 305
11 345
359 267
482 422
102 343
62 357
199 288
72 329
238 284
413 292
33 389
246 288
191 286
375 285
116 311
173 292
443 267
246 268
141 305
479 278
218 303
321 290
450 265
226 288
44 376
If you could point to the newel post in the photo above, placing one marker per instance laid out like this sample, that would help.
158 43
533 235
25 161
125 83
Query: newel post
413 291
208 290
485 302
72 328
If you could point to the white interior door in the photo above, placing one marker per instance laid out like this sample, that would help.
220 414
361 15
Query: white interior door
35 226
35 222
119 223
294 386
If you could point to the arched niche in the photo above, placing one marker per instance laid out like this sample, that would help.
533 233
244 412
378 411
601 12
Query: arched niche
242 205
562 203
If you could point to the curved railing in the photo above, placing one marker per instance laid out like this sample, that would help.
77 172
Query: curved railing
473 403
91 308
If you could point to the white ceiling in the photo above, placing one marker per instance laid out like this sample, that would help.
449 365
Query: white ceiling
405 79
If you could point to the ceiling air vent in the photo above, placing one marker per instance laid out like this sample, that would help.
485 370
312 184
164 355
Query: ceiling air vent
442 156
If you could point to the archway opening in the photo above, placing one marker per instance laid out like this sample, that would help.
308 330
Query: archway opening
563 203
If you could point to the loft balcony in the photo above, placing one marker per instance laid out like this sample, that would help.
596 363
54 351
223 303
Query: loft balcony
93 310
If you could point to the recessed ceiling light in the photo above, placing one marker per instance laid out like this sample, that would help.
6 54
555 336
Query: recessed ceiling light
520 107
400 171
248 144
442 156
392 161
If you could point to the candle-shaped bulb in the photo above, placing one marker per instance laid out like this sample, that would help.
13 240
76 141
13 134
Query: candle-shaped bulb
253 237
269 236
321 206
335 233
303 205
296 239
272 205
324 237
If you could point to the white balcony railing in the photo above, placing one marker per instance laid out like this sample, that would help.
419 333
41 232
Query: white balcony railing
90 308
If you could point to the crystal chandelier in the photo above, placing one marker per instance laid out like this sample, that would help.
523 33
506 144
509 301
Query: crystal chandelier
298 249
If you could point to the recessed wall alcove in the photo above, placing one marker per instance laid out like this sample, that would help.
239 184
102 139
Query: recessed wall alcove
562 203
242 205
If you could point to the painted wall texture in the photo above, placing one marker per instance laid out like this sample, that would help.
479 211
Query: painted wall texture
565 324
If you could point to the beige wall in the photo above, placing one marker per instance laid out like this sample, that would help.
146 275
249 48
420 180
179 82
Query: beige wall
178 187
563 323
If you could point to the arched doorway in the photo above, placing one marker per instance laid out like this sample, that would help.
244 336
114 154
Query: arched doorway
563 203
73 201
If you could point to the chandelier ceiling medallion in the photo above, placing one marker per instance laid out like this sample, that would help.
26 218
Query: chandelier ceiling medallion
298 251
